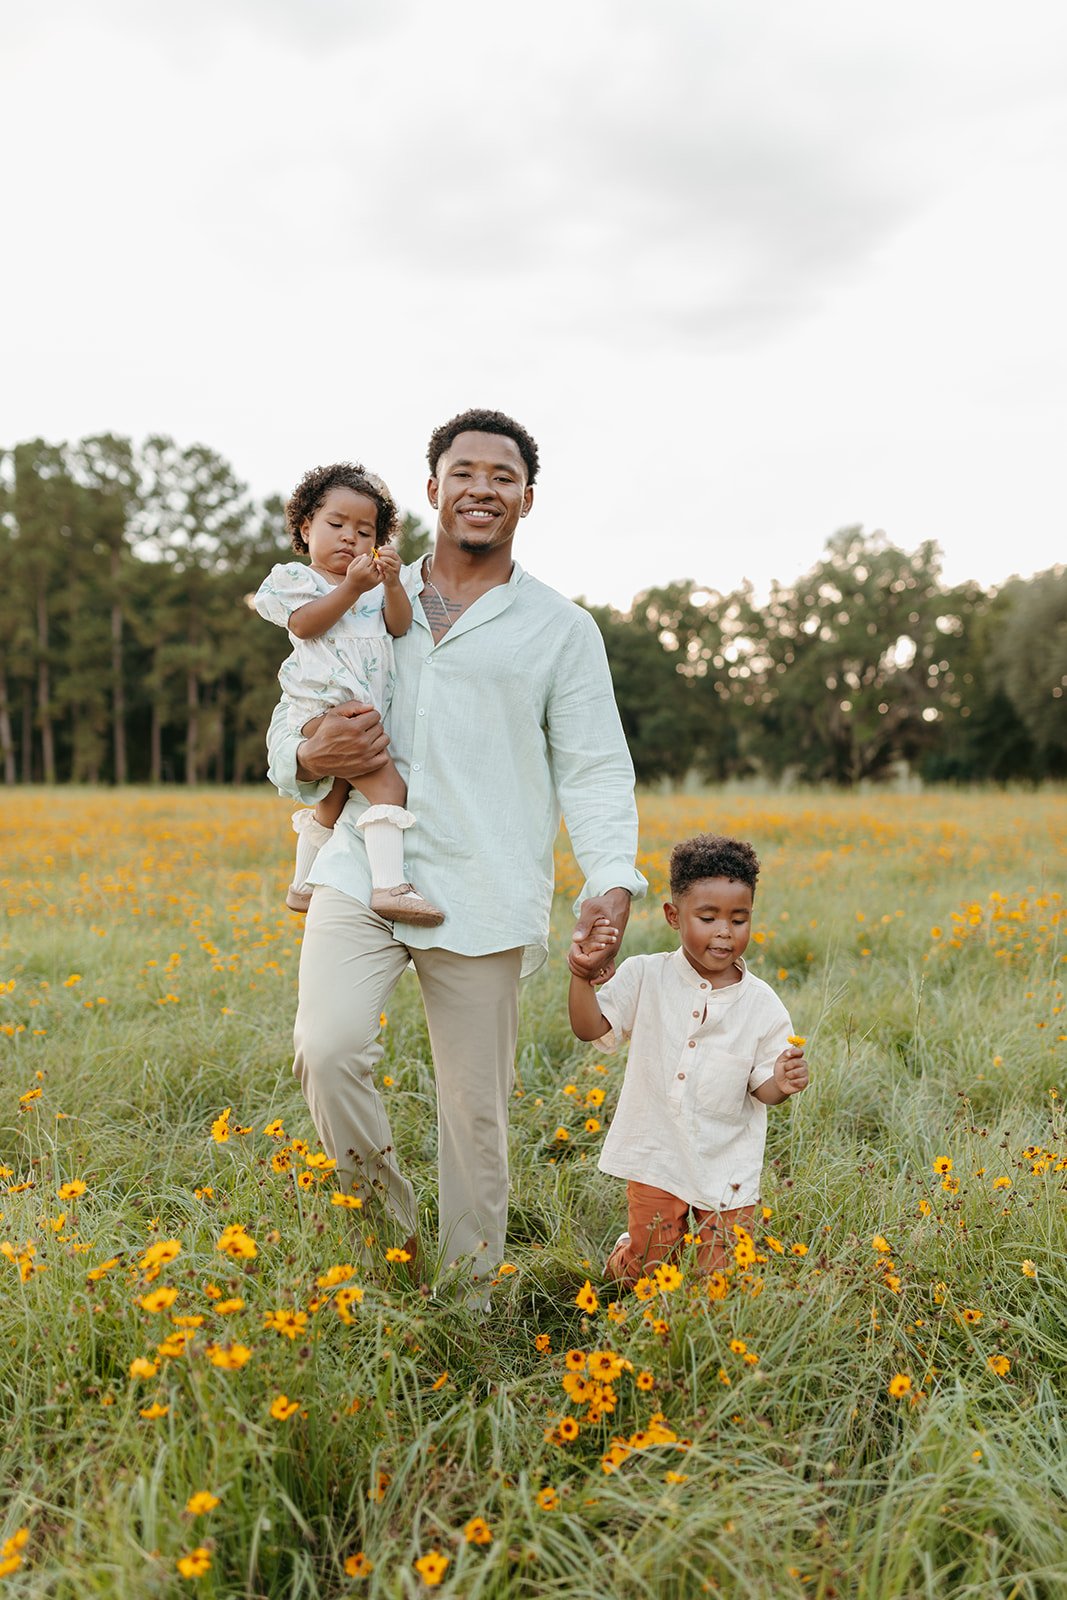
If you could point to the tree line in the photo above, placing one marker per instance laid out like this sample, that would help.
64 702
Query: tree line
129 652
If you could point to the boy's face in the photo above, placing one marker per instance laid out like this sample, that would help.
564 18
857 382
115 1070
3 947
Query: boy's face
714 920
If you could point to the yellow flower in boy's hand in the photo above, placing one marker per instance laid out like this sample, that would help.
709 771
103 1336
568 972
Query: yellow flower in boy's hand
799 1039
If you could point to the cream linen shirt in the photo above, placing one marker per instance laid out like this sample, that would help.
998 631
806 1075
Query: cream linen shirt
687 1120
507 721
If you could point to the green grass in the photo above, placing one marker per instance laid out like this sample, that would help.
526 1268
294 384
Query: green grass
800 1476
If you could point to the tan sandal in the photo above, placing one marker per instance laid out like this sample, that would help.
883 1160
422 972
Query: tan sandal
405 904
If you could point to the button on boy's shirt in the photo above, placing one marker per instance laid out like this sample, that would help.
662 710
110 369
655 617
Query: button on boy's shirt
687 1120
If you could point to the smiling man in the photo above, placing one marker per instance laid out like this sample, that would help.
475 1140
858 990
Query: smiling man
502 718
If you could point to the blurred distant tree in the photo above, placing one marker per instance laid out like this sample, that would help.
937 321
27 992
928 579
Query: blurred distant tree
193 514
981 736
129 648
667 669
107 469
1031 652
253 649
413 540
46 507
844 667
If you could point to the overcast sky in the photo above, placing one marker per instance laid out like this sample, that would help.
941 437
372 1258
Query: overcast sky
749 272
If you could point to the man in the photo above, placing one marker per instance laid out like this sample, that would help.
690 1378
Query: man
503 715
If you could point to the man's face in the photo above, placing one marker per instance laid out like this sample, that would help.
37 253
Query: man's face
480 491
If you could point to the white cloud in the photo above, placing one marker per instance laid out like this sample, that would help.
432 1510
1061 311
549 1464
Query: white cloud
749 273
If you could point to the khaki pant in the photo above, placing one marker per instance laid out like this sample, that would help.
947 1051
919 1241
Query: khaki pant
657 1223
350 962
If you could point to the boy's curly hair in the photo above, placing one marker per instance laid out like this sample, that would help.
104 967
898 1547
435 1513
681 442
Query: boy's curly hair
483 422
315 485
710 856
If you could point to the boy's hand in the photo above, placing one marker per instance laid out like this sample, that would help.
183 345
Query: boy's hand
388 565
791 1070
593 957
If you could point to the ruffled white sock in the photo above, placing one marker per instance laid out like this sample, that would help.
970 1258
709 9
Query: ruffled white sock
383 834
310 838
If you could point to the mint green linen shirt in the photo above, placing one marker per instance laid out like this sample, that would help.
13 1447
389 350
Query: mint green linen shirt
505 723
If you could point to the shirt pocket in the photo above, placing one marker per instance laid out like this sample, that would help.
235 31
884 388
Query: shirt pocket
722 1085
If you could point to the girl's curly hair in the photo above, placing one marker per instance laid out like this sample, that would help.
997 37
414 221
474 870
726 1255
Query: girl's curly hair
710 856
315 485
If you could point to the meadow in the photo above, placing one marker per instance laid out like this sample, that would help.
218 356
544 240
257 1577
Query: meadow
215 1379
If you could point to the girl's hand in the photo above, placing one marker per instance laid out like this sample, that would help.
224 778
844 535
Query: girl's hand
388 565
362 574
791 1070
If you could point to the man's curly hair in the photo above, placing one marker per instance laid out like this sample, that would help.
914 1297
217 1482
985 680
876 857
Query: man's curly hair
710 856
483 422
315 485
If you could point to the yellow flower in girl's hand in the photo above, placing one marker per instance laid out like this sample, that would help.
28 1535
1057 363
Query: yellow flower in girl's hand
798 1039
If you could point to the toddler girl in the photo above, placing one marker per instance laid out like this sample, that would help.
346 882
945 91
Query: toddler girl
342 612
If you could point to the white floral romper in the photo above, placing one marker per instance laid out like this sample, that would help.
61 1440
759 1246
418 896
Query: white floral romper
353 660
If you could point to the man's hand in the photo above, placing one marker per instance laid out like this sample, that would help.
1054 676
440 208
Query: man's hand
791 1070
348 742
598 935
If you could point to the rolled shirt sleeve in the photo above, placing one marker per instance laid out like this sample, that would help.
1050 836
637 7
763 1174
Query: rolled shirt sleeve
591 766
282 745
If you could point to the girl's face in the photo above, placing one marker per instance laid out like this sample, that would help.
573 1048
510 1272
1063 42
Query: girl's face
344 526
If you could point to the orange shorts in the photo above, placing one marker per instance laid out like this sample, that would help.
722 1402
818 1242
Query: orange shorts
657 1223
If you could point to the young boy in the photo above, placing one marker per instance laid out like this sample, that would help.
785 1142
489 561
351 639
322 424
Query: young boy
709 1052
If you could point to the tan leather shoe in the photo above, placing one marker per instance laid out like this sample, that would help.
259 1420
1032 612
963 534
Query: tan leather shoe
405 904
297 899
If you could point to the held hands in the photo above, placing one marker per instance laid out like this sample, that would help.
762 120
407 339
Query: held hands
791 1070
598 935
593 957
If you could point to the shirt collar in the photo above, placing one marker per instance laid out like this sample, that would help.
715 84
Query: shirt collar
695 981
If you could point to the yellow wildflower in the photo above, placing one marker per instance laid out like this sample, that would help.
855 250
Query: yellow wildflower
196 1563
200 1503
585 1299
432 1567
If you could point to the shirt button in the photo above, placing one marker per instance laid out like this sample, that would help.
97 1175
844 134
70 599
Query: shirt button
692 1044
681 1074
703 985
422 714
417 766
696 1013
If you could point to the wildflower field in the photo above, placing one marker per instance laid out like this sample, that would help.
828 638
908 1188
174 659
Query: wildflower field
217 1380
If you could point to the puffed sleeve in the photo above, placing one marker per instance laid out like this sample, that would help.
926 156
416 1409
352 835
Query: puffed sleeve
286 588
